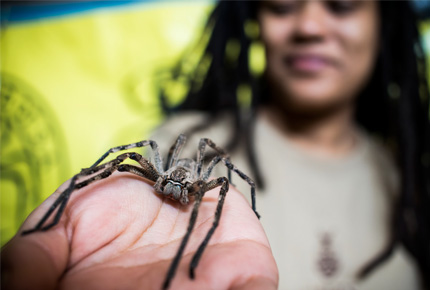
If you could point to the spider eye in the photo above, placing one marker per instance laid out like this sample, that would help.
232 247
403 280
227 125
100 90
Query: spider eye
173 189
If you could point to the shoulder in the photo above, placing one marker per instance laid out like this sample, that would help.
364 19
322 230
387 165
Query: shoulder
218 129
383 163
179 123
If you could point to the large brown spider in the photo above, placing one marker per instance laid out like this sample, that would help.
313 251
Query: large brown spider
179 180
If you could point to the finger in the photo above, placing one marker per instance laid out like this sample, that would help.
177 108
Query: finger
37 260
257 284
33 263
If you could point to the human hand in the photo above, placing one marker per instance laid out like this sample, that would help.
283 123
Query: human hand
119 234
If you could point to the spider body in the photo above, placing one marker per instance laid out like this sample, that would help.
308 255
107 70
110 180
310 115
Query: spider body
179 180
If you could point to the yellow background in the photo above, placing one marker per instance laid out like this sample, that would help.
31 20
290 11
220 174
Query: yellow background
94 76
95 71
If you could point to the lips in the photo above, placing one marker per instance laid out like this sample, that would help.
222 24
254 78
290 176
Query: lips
307 63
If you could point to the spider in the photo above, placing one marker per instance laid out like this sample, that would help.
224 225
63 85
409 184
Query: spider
179 180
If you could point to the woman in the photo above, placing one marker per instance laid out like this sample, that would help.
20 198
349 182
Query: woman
339 75
328 191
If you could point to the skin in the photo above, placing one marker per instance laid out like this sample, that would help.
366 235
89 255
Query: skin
319 55
109 240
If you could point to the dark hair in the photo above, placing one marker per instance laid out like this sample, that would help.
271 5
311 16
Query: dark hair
394 106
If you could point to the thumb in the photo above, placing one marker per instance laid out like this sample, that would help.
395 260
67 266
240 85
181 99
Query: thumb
33 262
37 260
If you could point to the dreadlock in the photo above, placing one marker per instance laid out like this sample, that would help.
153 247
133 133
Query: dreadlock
393 106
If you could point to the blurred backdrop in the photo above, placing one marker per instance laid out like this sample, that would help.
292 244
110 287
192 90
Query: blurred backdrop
80 77
76 79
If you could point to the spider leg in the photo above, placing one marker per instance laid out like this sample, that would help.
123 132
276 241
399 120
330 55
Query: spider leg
205 175
222 193
147 171
174 151
242 175
59 212
201 152
175 262
157 157
61 200
105 170
138 171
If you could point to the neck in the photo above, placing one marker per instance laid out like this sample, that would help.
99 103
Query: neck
331 134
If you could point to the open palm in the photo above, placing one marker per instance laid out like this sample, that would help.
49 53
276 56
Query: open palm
119 234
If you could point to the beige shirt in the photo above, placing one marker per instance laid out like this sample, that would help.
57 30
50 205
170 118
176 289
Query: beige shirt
325 218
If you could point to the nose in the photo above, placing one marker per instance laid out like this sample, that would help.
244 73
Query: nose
310 21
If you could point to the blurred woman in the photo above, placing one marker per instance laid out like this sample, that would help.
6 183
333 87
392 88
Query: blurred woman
335 131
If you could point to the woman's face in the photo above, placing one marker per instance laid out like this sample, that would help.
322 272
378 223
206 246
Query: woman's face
319 54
